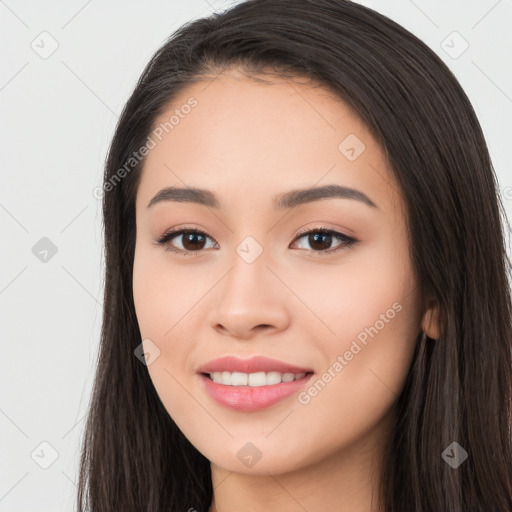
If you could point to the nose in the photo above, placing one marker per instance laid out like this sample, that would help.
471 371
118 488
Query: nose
250 299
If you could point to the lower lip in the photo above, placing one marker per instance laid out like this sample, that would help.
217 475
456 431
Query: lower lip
252 398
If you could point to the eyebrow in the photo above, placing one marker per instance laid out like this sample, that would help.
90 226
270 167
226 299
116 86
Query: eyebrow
284 201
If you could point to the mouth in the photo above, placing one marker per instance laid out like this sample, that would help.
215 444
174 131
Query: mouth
257 379
255 364
252 392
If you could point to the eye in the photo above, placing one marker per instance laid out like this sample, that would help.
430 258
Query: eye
321 239
194 240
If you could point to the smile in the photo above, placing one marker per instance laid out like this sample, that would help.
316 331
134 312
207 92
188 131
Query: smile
243 396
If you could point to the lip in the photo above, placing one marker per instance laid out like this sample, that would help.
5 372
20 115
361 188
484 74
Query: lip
249 398
251 365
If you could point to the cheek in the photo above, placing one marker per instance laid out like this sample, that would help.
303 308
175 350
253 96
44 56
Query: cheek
160 295
144 292
370 320
166 306
367 287
365 367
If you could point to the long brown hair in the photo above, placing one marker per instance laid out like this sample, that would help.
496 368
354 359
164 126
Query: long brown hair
459 387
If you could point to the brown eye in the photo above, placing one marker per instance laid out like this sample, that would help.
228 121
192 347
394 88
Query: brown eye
192 241
321 240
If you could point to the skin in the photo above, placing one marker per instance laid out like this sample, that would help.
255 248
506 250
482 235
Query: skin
246 142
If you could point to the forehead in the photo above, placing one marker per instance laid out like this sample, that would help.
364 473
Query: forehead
247 139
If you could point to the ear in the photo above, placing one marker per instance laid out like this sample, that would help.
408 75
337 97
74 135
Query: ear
430 322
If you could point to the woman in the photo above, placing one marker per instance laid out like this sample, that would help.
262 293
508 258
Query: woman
306 297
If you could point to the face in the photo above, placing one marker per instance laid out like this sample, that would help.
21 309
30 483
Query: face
323 283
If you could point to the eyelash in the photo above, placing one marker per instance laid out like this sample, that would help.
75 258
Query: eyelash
347 241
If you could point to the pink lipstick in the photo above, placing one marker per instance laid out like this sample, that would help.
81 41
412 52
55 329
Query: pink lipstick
252 384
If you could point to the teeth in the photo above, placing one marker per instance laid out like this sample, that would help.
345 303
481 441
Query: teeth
253 379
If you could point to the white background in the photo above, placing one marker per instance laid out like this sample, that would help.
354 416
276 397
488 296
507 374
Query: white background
57 118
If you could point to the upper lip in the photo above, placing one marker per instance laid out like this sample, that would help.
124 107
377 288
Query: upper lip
252 365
